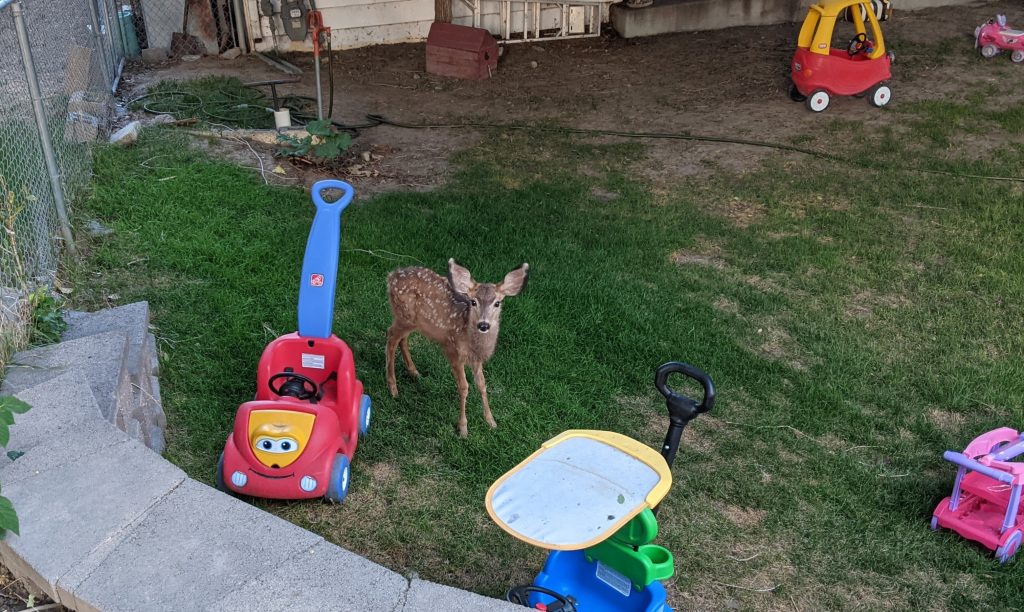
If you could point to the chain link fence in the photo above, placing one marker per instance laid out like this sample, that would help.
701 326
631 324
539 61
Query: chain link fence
59 63
176 28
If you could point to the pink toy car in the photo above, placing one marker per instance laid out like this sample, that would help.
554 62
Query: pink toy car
995 36
985 503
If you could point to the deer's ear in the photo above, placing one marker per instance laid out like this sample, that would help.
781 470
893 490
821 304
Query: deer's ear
459 278
515 281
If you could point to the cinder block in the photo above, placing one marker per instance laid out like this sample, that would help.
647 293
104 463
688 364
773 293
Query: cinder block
325 577
78 103
154 55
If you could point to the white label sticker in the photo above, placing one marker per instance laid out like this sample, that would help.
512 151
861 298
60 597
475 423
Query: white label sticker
613 579
312 361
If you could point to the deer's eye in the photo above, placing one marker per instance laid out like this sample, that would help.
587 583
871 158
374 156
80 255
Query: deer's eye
497 304
472 302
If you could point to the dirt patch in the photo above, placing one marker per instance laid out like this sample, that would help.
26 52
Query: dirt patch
724 304
383 472
743 517
946 421
704 253
776 344
863 304
15 594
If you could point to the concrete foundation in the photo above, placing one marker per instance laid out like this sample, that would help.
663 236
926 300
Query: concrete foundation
666 16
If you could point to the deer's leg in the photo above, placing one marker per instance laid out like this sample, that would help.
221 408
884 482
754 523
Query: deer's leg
393 338
481 386
459 372
409 365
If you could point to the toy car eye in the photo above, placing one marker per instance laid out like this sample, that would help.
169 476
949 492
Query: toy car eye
273 445
267 445
286 445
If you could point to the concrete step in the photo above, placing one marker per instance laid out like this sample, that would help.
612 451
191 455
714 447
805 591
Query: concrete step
58 405
426 596
666 16
101 358
325 577
133 319
193 548
74 503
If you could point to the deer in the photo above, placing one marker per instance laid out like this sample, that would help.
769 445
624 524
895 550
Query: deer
457 313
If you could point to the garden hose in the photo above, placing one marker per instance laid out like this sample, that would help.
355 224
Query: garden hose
175 102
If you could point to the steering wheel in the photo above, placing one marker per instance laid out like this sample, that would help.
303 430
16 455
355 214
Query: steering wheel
859 44
295 385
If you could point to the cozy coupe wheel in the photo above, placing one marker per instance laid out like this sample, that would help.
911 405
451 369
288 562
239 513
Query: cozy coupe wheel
220 475
989 51
1017 56
794 93
879 95
818 100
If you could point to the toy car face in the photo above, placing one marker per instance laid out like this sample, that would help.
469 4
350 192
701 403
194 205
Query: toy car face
278 437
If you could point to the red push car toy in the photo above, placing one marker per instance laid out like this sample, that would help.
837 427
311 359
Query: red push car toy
297 438
985 504
821 72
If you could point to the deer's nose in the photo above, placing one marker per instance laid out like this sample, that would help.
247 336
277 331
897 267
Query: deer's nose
483 326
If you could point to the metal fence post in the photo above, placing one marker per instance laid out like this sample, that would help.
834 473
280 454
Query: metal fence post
44 130
98 34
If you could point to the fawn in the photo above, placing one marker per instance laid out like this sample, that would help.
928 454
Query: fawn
457 313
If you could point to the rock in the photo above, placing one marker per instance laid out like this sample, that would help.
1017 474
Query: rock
82 127
163 119
96 229
231 53
128 134
533 64
154 55
190 58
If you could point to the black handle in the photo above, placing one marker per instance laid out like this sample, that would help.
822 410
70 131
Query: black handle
681 409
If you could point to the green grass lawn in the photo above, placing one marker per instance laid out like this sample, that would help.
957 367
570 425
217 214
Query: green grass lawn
856 322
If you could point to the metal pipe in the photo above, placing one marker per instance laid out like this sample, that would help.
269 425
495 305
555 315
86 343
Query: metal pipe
44 130
98 34
319 92
239 17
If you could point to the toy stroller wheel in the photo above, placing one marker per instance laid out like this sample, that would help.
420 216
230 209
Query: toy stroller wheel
337 488
935 523
880 95
1017 56
221 486
794 93
365 414
1005 552
989 51
818 100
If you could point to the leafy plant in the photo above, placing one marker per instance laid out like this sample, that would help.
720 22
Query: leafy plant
323 143
47 321
9 406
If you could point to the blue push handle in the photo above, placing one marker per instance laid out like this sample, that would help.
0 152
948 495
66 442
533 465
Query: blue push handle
343 201
320 264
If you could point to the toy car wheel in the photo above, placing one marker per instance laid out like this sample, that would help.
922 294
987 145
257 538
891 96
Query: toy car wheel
879 95
365 413
818 100
1017 56
219 480
989 51
795 95
1005 552
337 488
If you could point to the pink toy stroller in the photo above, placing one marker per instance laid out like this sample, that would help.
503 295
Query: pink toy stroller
985 503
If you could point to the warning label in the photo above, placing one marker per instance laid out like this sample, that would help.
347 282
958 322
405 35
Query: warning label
310 360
